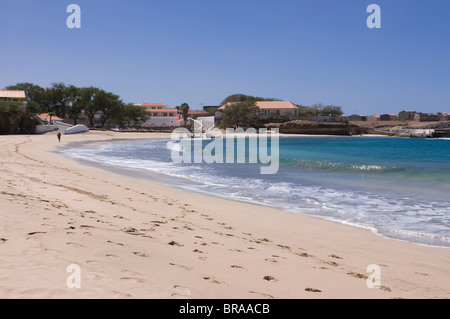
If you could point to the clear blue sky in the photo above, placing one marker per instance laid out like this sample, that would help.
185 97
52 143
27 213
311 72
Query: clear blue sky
200 51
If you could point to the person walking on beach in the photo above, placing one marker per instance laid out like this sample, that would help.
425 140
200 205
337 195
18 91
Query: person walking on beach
59 136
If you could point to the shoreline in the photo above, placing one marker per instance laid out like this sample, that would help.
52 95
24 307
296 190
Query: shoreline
174 182
179 182
220 248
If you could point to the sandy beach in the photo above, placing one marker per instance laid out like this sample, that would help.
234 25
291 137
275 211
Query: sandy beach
134 238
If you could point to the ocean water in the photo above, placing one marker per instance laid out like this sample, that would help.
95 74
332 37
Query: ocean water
398 188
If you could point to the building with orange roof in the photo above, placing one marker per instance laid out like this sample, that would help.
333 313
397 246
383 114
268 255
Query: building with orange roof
195 113
269 110
46 118
162 117
373 118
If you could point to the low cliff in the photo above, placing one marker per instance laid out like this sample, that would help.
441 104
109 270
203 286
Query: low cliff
316 128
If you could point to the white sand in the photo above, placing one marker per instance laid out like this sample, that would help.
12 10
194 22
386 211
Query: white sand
55 212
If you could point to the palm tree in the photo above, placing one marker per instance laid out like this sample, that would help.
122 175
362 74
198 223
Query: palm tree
51 114
185 109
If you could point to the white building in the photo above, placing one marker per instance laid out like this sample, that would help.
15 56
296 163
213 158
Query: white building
163 118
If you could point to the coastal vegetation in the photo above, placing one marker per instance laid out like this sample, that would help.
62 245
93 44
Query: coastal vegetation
184 108
15 117
242 110
240 114
90 104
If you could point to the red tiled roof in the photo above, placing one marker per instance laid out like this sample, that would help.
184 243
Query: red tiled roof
196 112
46 116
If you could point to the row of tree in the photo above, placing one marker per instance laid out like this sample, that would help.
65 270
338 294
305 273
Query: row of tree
85 104
242 112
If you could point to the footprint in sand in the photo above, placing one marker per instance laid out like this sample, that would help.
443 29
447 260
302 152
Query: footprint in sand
36 233
75 245
270 278
119 244
331 263
174 243
182 267
130 272
141 254
386 289
271 260
357 275
212 280
112 256
262 294
133 280
181 292
237 267
312 290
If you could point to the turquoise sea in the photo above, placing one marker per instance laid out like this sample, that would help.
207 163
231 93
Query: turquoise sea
396 187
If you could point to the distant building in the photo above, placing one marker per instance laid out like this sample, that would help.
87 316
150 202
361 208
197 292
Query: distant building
356 117
373 118
444 116
154 106
388 117
426 117
270 110
195 114
46 118
162 117
327 118
12 95
406 115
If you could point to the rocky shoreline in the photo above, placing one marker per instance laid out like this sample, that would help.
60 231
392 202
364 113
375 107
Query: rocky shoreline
388 128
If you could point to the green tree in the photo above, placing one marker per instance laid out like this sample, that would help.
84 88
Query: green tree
234 98
51 115
109 105
184 108
56 97
33 92
305 111
86 103
131 115
11 114
242 114
332 110
33 107
73 108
